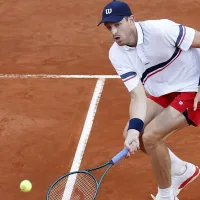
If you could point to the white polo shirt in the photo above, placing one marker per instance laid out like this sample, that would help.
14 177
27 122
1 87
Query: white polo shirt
162 59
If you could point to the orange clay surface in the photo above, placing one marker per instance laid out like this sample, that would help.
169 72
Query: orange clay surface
41 119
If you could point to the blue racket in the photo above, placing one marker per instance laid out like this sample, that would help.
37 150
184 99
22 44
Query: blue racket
82 184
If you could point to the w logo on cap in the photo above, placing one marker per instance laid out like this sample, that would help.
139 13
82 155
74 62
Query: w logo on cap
108 11
115 11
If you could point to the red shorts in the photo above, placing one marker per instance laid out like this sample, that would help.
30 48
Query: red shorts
183 102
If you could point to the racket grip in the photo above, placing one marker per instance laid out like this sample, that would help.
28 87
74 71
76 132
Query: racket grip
120 155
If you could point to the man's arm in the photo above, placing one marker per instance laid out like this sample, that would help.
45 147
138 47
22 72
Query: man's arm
138 102
196 41
196 44
197 97
137 111
137 108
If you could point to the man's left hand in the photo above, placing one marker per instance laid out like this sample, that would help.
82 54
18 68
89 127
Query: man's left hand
197 99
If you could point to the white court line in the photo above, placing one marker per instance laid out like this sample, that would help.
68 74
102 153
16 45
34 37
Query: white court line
84 137
53 76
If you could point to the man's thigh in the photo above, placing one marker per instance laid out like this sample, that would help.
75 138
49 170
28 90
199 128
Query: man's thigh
164 124
153 109
178 114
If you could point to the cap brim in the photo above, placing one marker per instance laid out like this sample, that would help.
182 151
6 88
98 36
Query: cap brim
111 19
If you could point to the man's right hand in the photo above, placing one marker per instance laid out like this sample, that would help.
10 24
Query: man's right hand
132 141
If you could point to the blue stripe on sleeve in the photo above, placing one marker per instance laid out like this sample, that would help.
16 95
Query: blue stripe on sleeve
180 35
128 74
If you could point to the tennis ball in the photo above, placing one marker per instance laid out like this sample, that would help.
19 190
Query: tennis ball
25 186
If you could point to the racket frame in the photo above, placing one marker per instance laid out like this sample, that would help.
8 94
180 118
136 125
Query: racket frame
86 171
113 161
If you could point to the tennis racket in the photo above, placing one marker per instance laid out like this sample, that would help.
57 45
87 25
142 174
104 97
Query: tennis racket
82 184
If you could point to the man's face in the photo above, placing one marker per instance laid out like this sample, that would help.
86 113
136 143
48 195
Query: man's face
121 31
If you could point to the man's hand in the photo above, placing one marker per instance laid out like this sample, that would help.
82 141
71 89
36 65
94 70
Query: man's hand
197 99
132 141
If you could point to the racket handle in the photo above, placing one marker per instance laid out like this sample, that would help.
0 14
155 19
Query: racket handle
119 156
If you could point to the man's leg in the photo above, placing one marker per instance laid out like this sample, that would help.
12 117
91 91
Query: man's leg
167 122
178 166
182 172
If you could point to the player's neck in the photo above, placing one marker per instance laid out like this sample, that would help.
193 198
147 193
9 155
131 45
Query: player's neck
133 39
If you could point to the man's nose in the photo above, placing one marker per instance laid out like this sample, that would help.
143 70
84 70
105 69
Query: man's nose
114 31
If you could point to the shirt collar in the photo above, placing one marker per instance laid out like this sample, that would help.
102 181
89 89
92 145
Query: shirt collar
140 37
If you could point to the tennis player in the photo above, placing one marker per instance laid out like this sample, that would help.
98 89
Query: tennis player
159 63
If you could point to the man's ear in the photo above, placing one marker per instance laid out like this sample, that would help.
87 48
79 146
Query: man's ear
132 17
131 20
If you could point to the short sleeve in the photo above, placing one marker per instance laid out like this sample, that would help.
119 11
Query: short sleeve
178 35
124 69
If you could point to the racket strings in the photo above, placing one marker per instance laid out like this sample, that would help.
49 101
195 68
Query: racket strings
85 187
57 191
80 186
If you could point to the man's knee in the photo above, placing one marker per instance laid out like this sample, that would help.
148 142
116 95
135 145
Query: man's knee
150 137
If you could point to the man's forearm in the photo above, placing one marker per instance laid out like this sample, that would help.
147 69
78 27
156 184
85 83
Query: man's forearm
138 106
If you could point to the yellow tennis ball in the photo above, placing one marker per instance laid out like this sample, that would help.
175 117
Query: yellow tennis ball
25 186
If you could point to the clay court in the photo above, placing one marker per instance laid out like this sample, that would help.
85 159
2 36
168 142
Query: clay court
44 106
